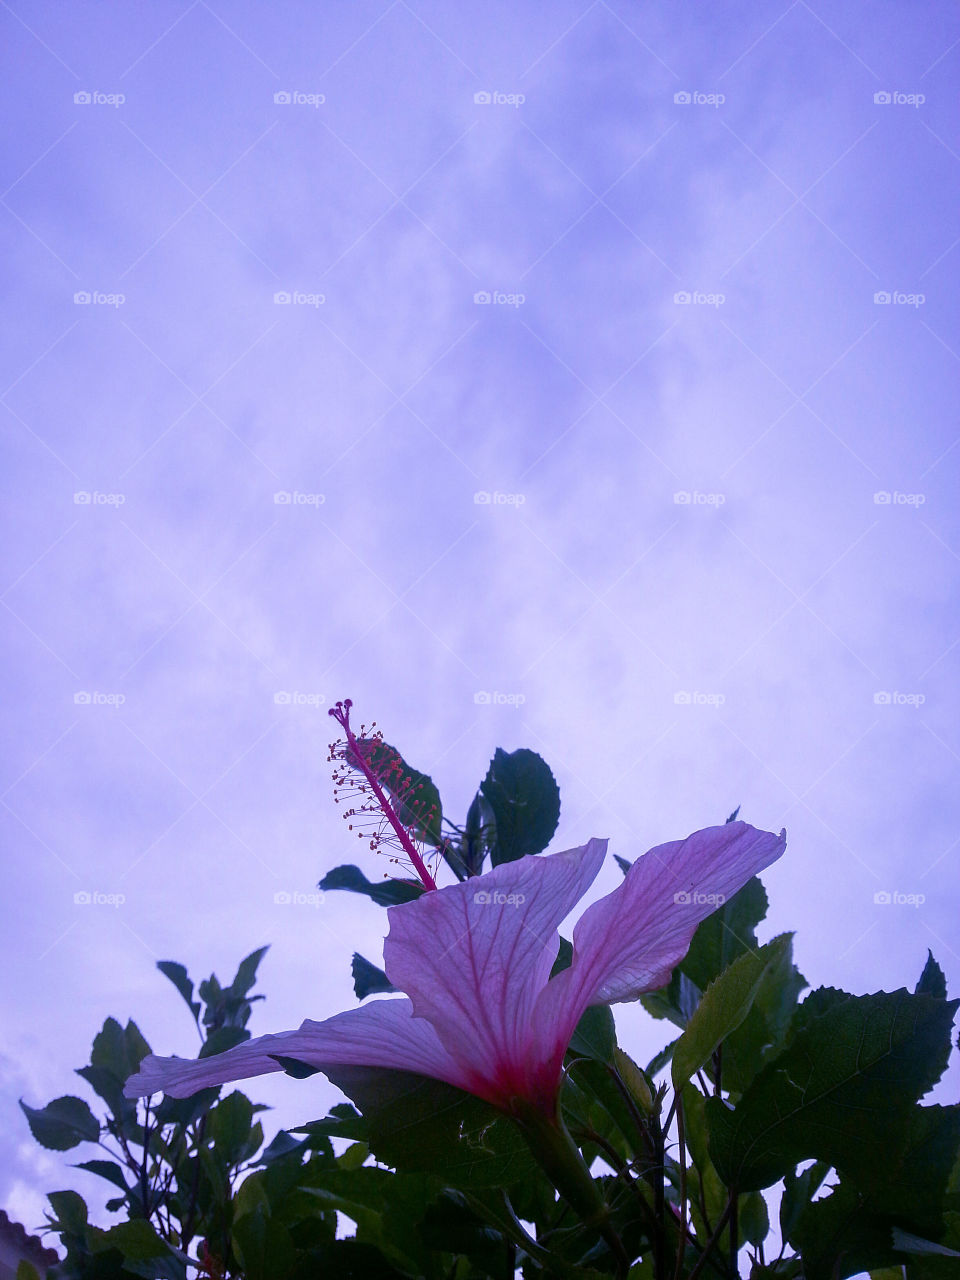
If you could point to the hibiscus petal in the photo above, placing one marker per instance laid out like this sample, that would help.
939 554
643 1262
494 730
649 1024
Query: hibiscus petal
631 940
381 1034
473 957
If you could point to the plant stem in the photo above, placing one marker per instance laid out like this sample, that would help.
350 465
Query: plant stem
702 1260
681 1153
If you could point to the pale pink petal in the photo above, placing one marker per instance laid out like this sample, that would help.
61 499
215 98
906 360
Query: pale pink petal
631 940
381 1034
473 957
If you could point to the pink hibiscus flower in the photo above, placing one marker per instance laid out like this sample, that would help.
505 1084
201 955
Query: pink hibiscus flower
481 1010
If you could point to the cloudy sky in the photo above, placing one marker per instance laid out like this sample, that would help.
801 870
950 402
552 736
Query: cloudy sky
576 376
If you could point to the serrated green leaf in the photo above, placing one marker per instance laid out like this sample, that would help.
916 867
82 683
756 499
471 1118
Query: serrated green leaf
932 982
298 1070
62 1124
387 894
725 1004
525 801
842 1091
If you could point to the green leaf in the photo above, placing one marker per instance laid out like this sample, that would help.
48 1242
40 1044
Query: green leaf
222 1039
753 1219
525 800
26 1272
178 975
728 932
298 1070
247 973
229 1124
932 982
420 1125
105 1169
136 1240
837 1237
414 795
367 978
798 1191
725 1004
904 1242
841 1091
70 1210
595 1035
62 1124
764 1030
264 1247
388 894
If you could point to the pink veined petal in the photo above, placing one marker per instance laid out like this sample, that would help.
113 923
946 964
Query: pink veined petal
631 940
381 1034
473 958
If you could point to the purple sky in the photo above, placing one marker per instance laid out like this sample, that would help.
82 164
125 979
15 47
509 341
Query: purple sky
684 580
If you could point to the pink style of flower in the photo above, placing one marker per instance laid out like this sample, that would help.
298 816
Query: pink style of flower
481 1010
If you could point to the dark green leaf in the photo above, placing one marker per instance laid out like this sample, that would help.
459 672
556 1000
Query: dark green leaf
229 1124
387 894
222 1039
299 1070
932 982
247 973
525 801
841 1091
798 1190
367 978
178 975
414 795
595 1035
725 1004
622 863
419 1125
62 1124
70 1210
105 1169
728 932
136 1240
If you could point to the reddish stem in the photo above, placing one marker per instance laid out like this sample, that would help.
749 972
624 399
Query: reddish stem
342 715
